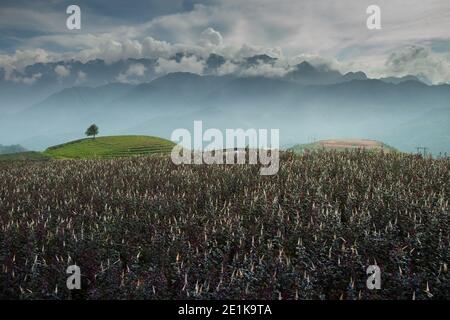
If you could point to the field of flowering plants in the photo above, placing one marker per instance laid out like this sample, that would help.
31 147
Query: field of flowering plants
144 228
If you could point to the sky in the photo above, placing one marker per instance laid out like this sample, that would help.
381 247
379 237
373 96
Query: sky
414 37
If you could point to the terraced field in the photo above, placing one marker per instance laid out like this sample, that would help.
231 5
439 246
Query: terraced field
111 147
344 144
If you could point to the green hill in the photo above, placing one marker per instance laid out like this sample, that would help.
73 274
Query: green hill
24 156
343 144
110 147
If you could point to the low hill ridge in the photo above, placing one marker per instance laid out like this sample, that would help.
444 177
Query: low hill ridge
111 147
343 144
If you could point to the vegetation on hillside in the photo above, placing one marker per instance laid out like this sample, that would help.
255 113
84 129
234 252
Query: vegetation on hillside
143 227
113 146
342 145
24 156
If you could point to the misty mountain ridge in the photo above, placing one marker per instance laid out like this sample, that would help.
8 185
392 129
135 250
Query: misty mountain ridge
11 149
358 107
19 90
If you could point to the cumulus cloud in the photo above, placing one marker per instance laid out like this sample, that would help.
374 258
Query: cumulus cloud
275 70
134 71
211 37
32 79
186 64
22 58
17 78
416 60
111 51
249 50
14 64
155 48
326 27
62 71
420 61
227 68
291 31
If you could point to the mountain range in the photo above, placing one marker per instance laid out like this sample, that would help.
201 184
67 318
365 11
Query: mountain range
11 149
308 101
20 89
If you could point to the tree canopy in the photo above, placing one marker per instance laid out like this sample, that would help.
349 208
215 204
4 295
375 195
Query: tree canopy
92 131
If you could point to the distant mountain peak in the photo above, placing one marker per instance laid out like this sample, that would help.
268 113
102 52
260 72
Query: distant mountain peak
214 61
398 80
305 66
260 58
180 74
359 75
305 73
11 149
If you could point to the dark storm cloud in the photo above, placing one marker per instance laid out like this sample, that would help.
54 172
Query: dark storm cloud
21 20
131 11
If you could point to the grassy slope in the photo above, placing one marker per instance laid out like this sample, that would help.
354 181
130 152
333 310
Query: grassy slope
21 156
113 146
299 148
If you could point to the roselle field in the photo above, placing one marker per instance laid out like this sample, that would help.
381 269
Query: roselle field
144 228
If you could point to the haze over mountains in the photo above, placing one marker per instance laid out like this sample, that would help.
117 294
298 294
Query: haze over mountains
22 88
11 149
54 102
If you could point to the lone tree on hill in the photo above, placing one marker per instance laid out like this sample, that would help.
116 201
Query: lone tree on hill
92 131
